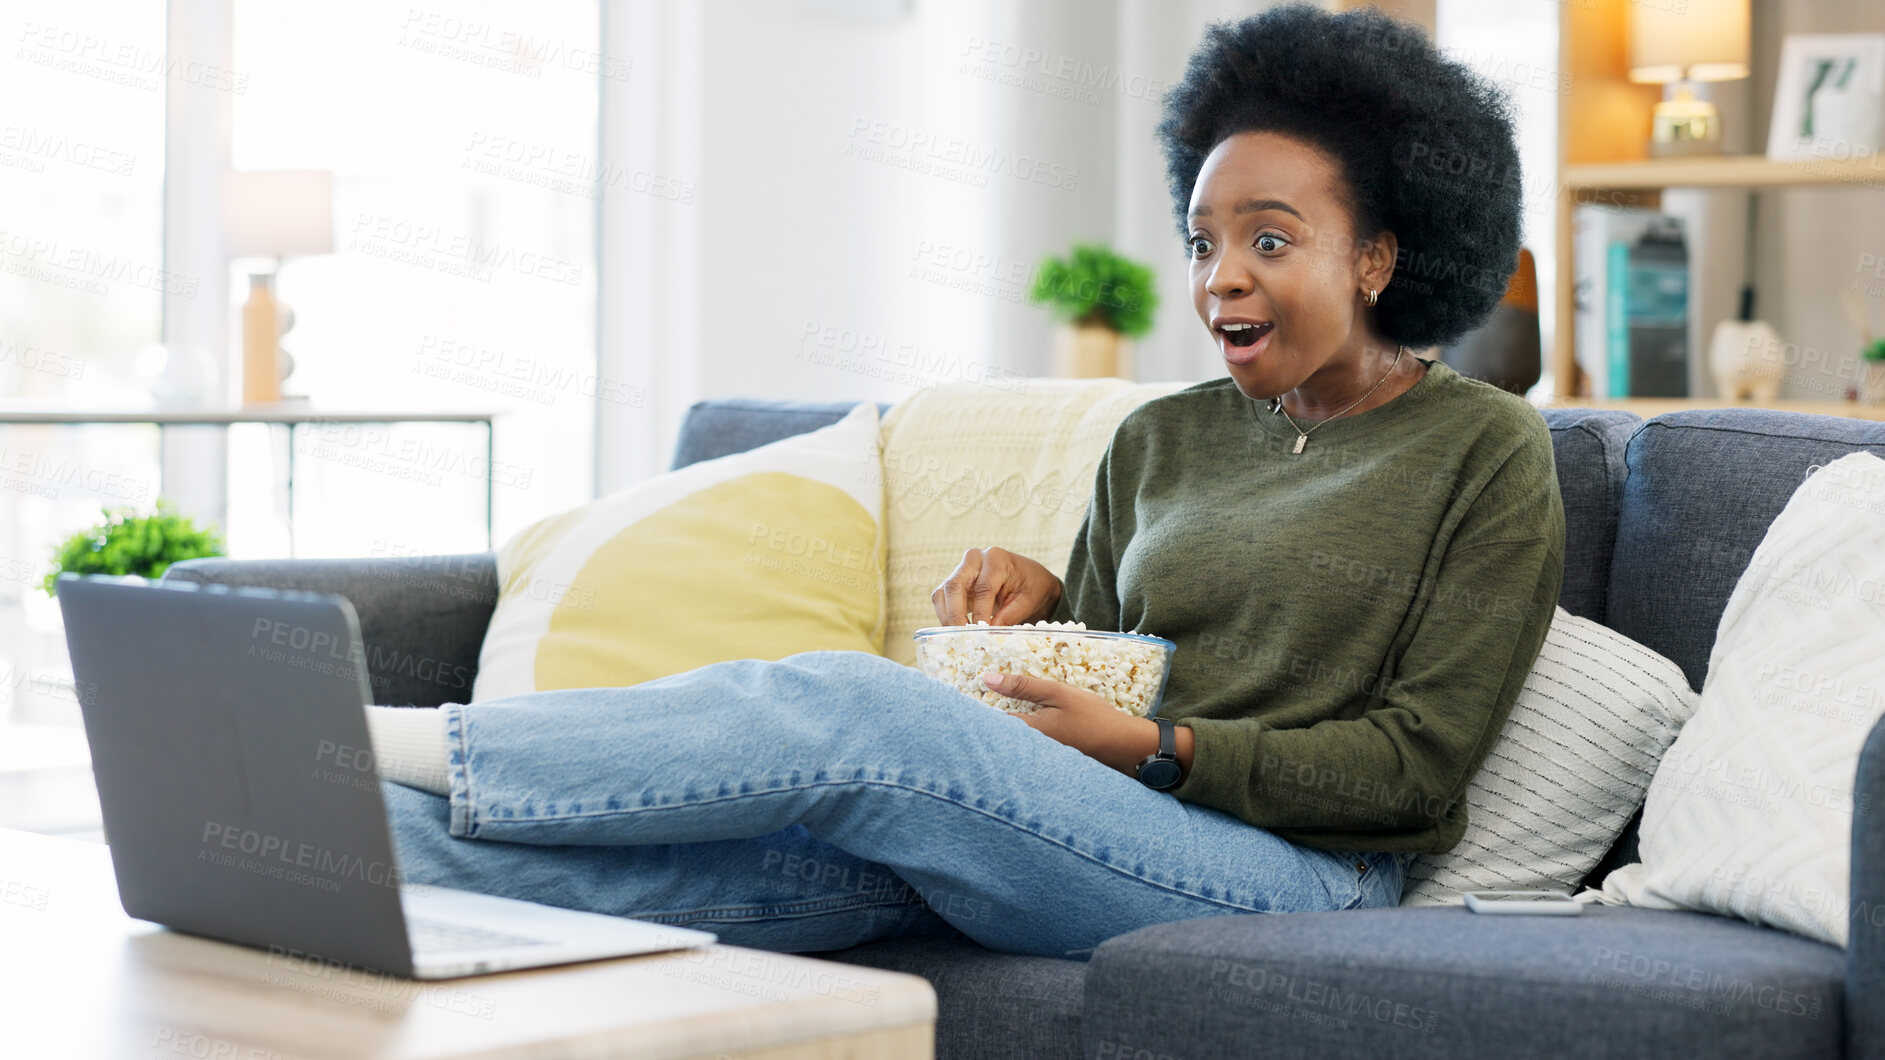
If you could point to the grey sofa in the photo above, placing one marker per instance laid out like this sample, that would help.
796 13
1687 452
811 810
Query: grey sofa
1662 517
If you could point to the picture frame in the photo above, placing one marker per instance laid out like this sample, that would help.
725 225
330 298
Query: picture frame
1829 97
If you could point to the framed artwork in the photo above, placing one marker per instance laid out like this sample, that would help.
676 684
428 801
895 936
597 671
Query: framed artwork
1829 98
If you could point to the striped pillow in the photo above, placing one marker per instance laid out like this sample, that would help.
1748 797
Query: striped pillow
1568 771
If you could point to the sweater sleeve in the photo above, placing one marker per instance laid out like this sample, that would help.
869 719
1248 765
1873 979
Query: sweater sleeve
1090 587
1394 760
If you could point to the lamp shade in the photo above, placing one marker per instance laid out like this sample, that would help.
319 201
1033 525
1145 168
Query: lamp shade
278 213
1694 40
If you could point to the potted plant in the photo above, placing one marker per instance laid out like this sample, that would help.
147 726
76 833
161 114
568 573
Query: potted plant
1872 388
128 543
1102 300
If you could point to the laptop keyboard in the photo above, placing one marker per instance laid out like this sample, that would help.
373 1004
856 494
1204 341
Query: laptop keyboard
439 936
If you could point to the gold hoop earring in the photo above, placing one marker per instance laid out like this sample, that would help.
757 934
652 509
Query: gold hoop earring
1373 296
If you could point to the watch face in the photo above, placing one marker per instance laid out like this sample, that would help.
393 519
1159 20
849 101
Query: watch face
1159 773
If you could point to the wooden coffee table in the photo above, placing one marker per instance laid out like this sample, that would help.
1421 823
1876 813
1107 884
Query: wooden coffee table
79 978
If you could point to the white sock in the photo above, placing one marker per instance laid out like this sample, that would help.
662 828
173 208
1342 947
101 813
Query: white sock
409 747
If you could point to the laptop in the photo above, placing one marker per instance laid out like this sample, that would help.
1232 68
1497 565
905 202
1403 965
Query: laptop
234 768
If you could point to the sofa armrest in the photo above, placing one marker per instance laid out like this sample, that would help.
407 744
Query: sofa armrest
422 618
1865 942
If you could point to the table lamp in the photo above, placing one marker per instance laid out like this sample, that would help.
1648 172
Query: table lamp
1677 45
273 214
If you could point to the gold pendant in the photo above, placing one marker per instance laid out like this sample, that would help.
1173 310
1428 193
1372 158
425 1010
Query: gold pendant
1301 440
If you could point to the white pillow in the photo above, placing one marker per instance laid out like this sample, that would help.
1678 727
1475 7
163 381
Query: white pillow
1750 813
1567 772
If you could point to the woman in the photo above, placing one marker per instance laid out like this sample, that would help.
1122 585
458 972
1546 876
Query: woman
1357 551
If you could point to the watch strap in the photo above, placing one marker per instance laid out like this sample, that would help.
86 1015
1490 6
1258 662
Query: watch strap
1160 770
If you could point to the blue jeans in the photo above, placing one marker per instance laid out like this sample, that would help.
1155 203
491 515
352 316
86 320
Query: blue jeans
833 798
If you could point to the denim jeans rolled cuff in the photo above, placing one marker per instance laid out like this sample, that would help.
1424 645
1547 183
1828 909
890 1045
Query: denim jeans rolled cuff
1016 840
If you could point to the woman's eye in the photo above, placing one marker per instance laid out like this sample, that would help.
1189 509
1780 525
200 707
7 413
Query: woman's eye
1270 243
1200 246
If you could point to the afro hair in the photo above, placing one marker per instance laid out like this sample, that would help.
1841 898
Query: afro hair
1424 144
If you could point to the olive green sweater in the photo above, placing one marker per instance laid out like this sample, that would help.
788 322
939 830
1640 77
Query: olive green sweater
1353 622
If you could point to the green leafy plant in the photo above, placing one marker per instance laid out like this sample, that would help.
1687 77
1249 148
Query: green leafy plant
1876 351
1095 287
128 543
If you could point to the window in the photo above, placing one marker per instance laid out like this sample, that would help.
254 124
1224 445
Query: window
462 143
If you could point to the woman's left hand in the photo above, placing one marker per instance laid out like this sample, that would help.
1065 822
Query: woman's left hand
1083 720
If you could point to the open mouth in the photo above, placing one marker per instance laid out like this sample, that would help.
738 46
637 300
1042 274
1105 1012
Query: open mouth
1246 334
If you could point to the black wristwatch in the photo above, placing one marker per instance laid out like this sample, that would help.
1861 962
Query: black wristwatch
1160 771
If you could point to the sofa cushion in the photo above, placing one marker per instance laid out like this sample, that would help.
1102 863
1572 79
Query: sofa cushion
1446 983
421 617
990 1005
734 425
1588 445
1702 488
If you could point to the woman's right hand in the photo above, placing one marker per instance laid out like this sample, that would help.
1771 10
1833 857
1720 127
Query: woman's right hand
1003 588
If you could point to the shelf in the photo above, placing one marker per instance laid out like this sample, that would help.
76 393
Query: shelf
1726 171
1647 407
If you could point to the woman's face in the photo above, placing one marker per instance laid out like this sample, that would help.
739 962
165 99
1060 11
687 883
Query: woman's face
1273 247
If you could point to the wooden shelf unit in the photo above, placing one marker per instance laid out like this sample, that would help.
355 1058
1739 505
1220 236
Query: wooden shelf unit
1603 153
1724 171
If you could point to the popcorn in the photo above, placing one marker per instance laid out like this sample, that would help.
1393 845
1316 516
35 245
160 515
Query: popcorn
1128 669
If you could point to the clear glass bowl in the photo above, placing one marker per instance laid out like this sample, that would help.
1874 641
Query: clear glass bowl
1129 669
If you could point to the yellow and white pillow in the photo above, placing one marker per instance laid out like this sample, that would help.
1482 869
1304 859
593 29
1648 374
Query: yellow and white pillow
756 555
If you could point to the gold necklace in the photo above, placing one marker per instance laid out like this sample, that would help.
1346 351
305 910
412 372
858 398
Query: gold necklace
1302 436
